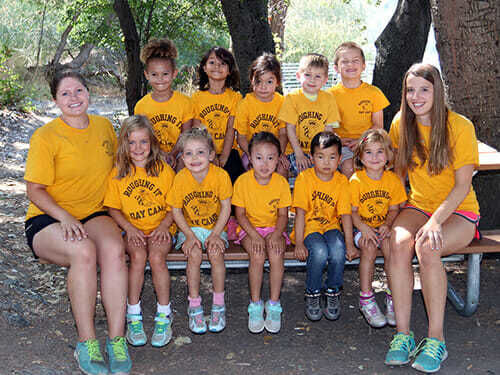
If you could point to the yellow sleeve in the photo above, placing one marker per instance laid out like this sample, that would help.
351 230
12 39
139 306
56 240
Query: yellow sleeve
226 188
394 131
333 114
300 198
465 149
398 195
174 196
288 112
241 119
234 104
286 196
354 186
112 197
344 203
237 199
379 99
40 167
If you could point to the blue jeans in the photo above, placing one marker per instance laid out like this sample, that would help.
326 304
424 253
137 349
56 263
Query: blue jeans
325 249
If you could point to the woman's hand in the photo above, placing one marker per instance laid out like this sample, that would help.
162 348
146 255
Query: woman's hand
73 229
432 231
302 161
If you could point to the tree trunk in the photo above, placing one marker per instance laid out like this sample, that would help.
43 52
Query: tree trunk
467 38
133 85
250 32
277 16
401 44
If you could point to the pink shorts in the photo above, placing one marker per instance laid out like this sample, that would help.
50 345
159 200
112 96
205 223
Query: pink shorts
263 231
467 215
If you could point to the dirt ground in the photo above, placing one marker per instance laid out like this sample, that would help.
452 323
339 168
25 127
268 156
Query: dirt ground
38 335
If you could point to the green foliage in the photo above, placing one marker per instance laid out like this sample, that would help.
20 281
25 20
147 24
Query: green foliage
11 90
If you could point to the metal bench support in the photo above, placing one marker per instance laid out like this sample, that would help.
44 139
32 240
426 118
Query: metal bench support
469 306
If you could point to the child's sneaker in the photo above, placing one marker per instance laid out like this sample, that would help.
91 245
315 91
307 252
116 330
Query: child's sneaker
118 357
273 317
89 358
430 353
401 349
197 322
389 310
372 313
256 317
217 318
313 307
135 330
162 333
332 304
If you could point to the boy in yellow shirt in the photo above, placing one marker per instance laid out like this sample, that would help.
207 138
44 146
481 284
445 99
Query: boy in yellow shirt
360 104
308 110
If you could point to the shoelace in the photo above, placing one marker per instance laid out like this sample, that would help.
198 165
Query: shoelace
400 342
198 318
136 326
118 346
371 306
431 348
332 299
161 323
314 301
255 312
94 352
273 313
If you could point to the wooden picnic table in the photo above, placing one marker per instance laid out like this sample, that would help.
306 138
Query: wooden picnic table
489 158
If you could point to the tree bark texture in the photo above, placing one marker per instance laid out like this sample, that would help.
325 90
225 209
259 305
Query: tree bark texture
250 32
467 37
401 44
133 85
277 14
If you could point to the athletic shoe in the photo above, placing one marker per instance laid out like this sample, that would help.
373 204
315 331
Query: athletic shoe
89 358
217 318
197 322
332 304
118 357
135 330
273 317
162 333
372 313
401 349
256 317
313 307
431 353
389 310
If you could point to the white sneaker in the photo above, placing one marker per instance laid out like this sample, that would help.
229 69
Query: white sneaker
273 317
372 313
389 310
256 317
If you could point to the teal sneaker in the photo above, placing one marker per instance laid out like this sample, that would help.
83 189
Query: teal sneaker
135 331
401 349
256 317
162 333
197 322
273 317
217 318
118 357
430 354
89 358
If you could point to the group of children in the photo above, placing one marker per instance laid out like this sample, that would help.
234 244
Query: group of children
216 140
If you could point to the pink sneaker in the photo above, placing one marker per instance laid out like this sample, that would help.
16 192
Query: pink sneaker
232 224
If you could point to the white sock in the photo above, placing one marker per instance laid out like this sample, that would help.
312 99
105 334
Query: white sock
134 309
164 309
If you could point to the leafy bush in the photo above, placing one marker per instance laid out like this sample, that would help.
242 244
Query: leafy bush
11 90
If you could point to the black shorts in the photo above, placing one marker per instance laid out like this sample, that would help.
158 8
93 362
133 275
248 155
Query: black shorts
35 224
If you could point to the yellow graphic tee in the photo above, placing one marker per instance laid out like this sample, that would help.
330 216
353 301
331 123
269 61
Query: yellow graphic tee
166 117
374 197
309 117
323 201
428 192
214 111
140 198
261 202
73 163
200 203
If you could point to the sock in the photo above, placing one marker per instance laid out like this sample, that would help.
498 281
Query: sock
364 298
134 309
259 302
163 309
194 302
271 302
366 294
218 298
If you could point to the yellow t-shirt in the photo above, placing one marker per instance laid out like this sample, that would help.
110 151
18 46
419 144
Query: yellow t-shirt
323 201
428 192
374 197
73 163
141 198
356 107
200 203
166 117
309 117
214 111
261 202
255 116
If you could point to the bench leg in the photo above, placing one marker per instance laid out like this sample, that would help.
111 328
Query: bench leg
469 307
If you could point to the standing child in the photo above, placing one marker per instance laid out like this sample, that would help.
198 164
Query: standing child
136 200
376 194
259 110
360 104
308 110
262 198
322 199
201 201
170 112
215 106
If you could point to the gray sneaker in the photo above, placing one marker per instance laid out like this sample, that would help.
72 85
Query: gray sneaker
313 308
332 304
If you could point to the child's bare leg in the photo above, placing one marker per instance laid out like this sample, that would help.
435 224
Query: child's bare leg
366 266
347 167
218 271
137 262
159 271
386 251
277 268
255 270
193 272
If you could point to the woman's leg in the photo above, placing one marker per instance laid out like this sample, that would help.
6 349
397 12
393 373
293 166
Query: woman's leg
137 262
161 277
255 270
111 258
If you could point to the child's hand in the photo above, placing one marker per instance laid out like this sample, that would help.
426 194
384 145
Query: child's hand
257 244
284 162
384 232
303 162
136 236
223 160
215 244
191 242
276 242
301 252
351 252
160 234
368 234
